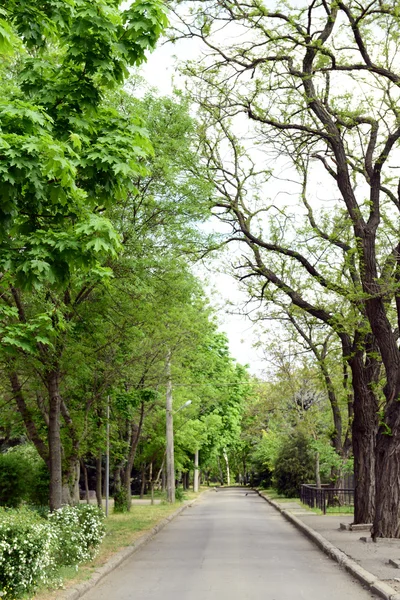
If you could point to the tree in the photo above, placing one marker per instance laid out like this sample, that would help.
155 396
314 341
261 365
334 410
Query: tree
294 465
286 74
64 155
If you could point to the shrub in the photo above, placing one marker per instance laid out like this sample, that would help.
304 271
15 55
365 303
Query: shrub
294 465
121 501
180 495
32 547
79 531
13 483
23 476
26 557
40 486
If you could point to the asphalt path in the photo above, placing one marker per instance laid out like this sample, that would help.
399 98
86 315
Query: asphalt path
230 545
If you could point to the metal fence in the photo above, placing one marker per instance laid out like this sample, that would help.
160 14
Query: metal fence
326 497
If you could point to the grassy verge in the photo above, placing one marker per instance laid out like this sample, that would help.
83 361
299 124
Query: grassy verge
121 531
274 495
331 510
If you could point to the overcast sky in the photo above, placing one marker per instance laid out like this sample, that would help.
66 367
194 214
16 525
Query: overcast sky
161 73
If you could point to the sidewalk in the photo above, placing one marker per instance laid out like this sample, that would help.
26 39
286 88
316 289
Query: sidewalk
369 562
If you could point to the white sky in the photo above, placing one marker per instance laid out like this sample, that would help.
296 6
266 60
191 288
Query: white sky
160 72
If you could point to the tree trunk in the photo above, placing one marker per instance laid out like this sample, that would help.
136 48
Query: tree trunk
151 482
54 439
170 463
163 479
221 475
196 472
364 433
99 479
85 477
317 473
228 472
27 418
387 516
143 481
135 436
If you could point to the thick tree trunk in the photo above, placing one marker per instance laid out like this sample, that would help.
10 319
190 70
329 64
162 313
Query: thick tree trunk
364 433
387 516
54 439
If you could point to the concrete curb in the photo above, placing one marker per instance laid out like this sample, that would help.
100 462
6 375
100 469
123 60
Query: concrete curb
372 582
79 590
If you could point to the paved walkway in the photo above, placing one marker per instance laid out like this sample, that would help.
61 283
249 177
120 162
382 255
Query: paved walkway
230 545
372 557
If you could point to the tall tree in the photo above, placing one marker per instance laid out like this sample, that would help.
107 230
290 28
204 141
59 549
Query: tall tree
296 74
64 156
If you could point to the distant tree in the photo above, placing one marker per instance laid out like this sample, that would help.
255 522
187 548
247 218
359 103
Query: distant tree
294 465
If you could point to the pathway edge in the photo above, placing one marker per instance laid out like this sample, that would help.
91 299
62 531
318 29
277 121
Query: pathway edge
372 582
118 558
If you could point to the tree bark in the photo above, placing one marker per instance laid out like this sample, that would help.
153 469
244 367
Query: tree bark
54 439
135 436
387 516
196 472
170 438
27 418
85 477
364 434
143 481
228 472
99 479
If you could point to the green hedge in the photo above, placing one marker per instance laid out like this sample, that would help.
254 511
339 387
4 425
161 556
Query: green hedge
32 548
24 476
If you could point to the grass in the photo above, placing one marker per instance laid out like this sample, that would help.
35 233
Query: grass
274 495
331 510
121 531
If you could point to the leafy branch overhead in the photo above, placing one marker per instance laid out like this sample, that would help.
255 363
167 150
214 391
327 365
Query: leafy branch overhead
65 152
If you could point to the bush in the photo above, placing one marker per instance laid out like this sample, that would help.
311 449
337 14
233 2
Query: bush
180 495
121 501
40 486
79 531
23 476
294 465
13 484
26 557
32 547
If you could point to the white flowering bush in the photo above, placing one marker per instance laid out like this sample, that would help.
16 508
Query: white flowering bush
26 551
79 531
33 547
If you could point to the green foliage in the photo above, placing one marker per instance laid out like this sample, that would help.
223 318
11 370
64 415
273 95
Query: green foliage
13 486
121 501
23 477
180 495
294 465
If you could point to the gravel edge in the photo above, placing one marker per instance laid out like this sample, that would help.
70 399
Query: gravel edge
117 559
372 582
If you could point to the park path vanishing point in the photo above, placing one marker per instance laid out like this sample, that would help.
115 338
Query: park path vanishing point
230 545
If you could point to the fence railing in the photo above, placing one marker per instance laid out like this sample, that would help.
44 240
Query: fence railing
326 497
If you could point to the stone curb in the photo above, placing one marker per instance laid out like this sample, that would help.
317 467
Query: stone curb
374 584
79 590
